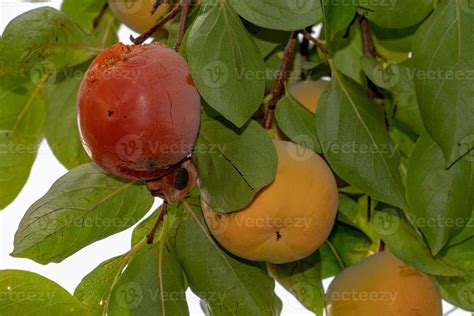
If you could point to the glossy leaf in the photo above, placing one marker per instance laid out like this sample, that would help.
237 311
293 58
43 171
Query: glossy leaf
82 207
444 62
245 159
230 75
457 291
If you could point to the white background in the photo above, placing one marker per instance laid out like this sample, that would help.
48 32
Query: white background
46 171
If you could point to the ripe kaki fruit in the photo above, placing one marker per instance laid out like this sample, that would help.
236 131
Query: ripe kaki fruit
138 110
137 14
308 93
287 220
383 285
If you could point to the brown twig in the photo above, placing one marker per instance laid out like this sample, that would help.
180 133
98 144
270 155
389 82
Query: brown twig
156 5
369 45
99 16
316 42
151 235
185 4
143 37
279 83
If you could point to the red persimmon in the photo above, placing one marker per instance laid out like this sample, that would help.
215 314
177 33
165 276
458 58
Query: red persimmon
138 110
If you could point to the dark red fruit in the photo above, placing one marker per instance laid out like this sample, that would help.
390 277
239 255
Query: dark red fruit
138 111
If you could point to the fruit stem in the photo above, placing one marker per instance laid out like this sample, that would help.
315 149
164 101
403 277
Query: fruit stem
307 35
156 4
185 4
279 83
143 37
99 16
164 211
381 246
368 41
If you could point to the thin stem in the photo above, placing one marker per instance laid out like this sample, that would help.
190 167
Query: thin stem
185 4
171 15
151 235
369 45
156 5
99 16
316 42
279 83
381 246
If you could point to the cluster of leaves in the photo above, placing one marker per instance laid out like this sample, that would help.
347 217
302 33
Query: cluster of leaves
405 168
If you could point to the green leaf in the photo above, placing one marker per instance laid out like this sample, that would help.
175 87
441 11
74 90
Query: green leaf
457 291
407 244
40 37
245 159
395 14
358 214
303 279
345 247
393 44
338 16
152 281
399 80
444 61
284 15
228 285
297 123
22 117
461 256
464 234
27 293
440 201
230 75
82 207
62 131
356 143
95 287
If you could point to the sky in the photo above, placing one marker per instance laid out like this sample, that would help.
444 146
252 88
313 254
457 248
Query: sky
45 172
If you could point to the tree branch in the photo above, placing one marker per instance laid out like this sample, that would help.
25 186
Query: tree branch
185 4
279 83
171 15
316 42
156 5
369 46
164 211
99 16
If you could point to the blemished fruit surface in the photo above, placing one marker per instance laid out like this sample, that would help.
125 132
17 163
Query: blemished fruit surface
138 110
287 220
136 13
383 285
308 93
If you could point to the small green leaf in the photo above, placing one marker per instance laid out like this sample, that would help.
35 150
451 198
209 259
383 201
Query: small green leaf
444 64
62 131
284 15
297 123
27 293
82 207
229 285
245 159
303 279
440 201
43 38
152 281
407 244
225 63
338 16
395 14
356 143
